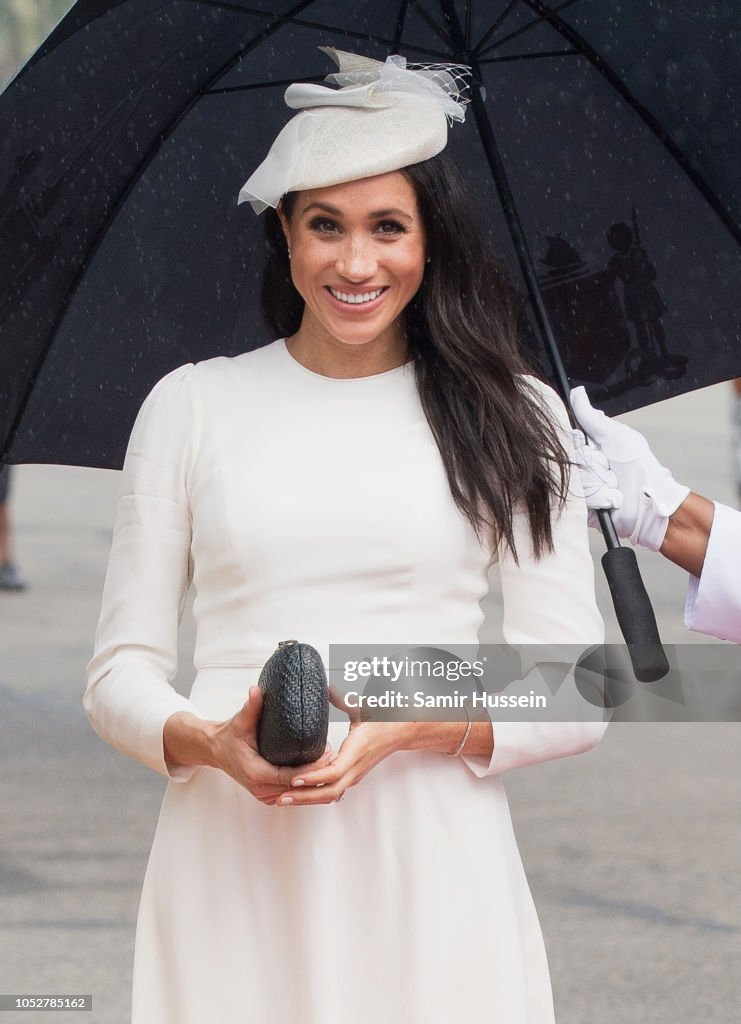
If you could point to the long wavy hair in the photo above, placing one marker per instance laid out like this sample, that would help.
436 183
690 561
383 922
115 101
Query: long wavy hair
498 443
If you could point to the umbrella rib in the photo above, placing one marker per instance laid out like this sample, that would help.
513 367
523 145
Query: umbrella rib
492 28
437 29
493 156
651 122
285 19
532 56
399 30
527 28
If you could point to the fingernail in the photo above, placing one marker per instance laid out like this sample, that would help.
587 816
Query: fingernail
286 800
298 782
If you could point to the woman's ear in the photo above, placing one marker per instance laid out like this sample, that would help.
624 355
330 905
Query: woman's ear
284 224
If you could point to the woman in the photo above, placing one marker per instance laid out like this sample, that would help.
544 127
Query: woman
344 484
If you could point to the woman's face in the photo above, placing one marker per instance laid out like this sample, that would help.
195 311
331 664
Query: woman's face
357 257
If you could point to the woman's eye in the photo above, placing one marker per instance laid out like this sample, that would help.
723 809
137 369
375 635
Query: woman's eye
325 226
322 225
390 227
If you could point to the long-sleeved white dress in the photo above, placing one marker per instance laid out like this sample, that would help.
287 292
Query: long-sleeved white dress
316 508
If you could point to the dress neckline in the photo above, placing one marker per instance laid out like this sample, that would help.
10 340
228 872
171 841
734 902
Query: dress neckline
300 368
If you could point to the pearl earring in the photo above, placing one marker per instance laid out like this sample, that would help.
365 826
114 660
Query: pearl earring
429 259
289 254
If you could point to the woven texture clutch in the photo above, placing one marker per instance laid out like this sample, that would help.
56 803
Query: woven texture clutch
294 723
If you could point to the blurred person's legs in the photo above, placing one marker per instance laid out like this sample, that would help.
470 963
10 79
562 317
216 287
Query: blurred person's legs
10 578
736 436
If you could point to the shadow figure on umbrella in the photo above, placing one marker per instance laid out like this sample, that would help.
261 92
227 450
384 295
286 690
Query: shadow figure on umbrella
586 312
608 320
644 306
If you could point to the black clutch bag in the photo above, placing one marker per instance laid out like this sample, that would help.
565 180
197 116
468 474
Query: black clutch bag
294 723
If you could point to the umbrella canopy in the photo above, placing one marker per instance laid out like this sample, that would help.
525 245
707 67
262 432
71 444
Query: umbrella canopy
603 151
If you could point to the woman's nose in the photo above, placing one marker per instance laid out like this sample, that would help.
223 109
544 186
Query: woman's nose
356 261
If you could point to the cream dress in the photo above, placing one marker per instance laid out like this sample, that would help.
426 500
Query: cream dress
302 506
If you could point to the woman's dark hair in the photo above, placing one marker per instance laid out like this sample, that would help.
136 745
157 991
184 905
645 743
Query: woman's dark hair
498 442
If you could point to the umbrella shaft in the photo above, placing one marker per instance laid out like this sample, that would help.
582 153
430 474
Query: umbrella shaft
608 528
499 175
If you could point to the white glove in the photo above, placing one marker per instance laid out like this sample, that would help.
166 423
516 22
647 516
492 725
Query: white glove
599 483
649 492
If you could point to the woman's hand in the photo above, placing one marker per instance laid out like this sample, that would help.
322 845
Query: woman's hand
234 749
365 745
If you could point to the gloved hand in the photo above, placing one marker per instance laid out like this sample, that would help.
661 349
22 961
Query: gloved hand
599 483
622 466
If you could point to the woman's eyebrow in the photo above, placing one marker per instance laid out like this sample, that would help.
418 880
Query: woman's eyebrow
390 211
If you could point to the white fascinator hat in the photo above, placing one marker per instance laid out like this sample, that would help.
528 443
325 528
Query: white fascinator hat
383 116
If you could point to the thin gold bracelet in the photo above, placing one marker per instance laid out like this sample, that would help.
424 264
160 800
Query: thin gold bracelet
466 734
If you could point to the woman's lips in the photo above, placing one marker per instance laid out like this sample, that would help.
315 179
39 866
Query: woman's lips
356 307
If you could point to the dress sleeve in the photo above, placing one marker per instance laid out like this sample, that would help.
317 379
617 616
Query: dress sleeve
714 600
129 695
549 601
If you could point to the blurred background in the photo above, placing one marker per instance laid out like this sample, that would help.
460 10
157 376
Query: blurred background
631 850
23 24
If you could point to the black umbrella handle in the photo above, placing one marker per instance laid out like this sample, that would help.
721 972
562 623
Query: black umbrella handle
632 606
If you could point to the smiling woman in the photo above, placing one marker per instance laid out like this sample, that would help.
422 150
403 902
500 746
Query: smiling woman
445 305
357 259
350 482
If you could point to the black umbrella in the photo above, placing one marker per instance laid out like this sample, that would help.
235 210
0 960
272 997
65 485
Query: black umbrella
601 148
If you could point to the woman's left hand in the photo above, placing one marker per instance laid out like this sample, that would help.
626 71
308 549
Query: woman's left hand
366 744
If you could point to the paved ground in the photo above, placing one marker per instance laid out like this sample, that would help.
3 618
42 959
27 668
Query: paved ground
631 851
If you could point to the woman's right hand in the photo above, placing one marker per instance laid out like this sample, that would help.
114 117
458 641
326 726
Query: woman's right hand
234 749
